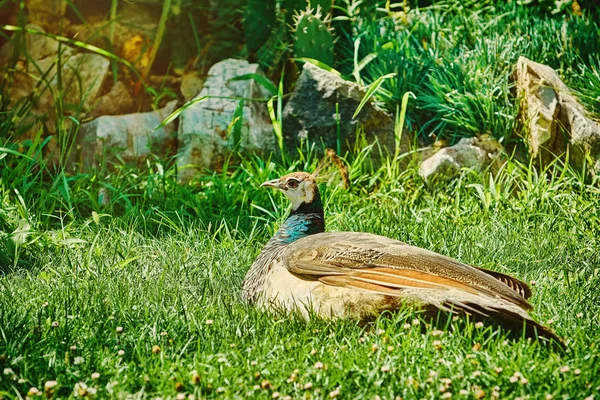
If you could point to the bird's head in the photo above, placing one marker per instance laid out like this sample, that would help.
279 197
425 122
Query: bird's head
300 187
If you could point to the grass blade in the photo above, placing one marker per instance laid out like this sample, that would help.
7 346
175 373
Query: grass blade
261 80
371 91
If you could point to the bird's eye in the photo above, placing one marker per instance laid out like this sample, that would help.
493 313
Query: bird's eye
292 183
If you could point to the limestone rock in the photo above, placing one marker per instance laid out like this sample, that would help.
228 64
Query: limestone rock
130 137
82 78
555 121
37 46
116 102
204 138
476 153
311 112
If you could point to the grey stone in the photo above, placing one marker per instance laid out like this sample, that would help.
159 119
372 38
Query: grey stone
82 78
116 102
475 153
311 112
131 137
204 138
37 46
555 121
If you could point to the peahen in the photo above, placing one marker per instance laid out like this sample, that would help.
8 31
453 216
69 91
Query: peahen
359 275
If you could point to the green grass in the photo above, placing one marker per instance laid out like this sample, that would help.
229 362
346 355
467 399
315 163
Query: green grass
82 254
161 274
457 57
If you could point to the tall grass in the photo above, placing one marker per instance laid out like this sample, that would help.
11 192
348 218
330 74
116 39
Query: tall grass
457 58
165 263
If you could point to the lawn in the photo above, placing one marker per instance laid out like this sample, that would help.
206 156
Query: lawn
121 282
148 304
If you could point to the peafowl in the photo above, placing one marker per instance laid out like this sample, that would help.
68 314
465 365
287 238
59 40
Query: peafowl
359 275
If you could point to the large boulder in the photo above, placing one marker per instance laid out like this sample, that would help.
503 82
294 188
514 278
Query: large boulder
554 120
204 139
131 138
117 101
474 153
320 98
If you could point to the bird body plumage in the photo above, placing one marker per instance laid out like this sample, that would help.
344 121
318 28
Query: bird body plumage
359 275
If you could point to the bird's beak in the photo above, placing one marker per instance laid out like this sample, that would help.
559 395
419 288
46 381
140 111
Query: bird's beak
272 184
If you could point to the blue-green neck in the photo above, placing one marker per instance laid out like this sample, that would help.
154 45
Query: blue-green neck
308 219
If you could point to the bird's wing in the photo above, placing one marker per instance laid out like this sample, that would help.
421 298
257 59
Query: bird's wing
396 270
379 264
515 284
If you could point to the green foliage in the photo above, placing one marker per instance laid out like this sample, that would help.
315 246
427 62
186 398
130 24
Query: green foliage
202 33
312 37
587 82
275 52
259 19
457 58
549 6
166 262
324 5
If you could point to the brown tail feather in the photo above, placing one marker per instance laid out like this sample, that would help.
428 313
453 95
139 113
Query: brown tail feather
511 321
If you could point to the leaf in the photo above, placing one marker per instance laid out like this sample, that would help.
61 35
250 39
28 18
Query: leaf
71 241
359 65
125 262
371 91
14 153
399 125
363 63
19 235
275 122
77 43
235 127
261 80
181 109
277 116
319 64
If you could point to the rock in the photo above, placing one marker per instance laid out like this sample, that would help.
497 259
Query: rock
475 153
116 102
82 78
130 137
37 47
46 13
555 121
191 85
311 112
204 138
